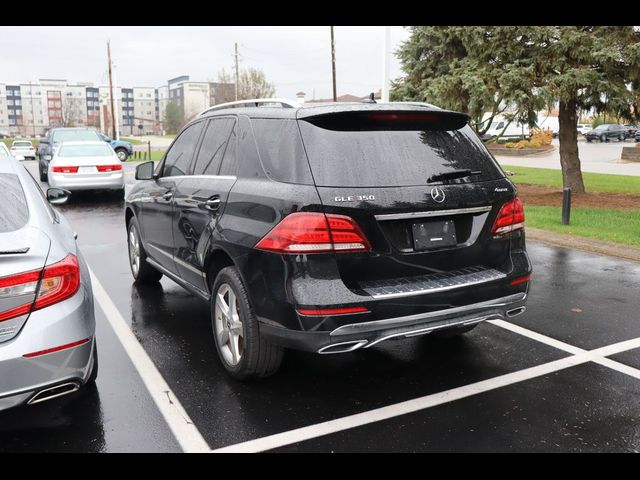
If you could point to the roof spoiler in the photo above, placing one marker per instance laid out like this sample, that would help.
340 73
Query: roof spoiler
438 120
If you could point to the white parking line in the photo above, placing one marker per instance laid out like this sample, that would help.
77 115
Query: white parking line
578 356
177 419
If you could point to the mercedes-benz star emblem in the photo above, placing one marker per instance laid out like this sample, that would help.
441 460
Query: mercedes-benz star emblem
437 194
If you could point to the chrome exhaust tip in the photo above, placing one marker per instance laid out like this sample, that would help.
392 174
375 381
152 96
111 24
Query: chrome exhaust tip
516 311
54 392
342 347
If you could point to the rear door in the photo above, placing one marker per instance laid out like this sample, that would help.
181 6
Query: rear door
156 216
396 174
200 198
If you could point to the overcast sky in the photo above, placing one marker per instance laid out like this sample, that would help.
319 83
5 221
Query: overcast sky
294 58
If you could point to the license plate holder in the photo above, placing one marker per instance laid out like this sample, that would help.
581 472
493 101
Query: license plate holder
434 234
87 170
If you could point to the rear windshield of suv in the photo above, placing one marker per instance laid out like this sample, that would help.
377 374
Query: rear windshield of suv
22 144
75 135
393 158
14 212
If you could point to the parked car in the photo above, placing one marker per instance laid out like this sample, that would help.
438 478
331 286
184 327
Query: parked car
47 323
5 135
329 228
23 148
583 128
86 166
123 149
637 136
607 131
54 138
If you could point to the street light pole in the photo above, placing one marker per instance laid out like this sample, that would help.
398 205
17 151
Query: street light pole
333 66
115 88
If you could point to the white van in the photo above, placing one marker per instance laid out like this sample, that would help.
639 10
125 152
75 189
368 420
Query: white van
515 129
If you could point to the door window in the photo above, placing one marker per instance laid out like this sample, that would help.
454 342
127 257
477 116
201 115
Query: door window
213 146
180 153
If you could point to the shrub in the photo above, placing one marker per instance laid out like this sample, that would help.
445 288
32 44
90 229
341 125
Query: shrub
538 138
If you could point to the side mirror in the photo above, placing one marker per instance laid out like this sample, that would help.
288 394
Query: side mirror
57 196
144 171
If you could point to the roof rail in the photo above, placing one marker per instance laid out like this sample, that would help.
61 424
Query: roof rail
285 103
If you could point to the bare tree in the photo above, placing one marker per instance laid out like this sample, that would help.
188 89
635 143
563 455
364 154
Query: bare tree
252 84
71 111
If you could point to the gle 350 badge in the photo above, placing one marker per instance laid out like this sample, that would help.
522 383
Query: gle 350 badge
355 198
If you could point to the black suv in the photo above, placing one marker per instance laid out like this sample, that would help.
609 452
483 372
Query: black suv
607 131
330 228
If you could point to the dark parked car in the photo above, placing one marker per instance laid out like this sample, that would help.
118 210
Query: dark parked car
637 136
330 228
607 131
631 130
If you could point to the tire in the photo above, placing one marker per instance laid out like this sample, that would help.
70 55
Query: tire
454 331
94 370
253 357
588 140
118 194
143 273
622 138
122 154
603 138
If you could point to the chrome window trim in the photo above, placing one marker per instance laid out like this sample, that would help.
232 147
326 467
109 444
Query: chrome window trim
214 177
433 213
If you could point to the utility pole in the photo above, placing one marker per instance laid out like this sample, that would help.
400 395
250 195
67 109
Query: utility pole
115 101
385 65
33 112
113 115
333 65
237 71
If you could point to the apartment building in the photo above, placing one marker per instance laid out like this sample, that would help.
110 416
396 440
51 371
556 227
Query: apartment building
31 109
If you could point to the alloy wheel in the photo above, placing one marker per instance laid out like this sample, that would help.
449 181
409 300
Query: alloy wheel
228 329
134 250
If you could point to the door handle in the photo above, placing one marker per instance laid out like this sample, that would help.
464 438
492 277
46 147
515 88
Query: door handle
167 195
212 203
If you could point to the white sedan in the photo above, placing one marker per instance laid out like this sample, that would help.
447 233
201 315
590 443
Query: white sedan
86 166
23 148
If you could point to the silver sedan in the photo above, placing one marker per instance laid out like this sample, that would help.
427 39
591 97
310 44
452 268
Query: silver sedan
47 322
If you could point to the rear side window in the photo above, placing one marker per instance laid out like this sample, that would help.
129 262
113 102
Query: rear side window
14 212
213 146
281 150
180 153
390 156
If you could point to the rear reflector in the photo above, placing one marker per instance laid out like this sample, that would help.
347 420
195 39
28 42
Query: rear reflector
55 283
57 349
65 169
332 311
109 168
520 280
311 232
510 218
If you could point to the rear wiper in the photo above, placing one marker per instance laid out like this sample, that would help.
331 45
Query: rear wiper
451 175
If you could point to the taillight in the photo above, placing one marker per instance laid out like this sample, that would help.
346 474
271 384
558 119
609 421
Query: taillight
109 168
309 232
510 218
65 169
55 283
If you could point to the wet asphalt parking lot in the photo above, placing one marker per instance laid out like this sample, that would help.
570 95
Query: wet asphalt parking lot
563 377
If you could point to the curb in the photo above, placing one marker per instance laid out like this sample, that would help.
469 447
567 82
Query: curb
591 245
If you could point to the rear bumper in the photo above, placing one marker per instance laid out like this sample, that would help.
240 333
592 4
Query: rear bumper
74 181
350 337
67 322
